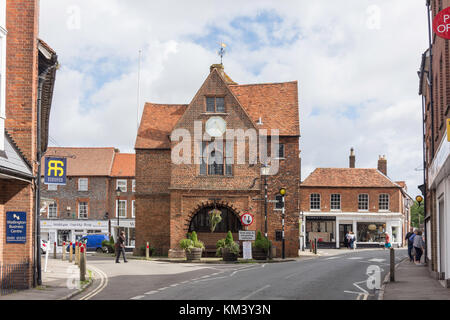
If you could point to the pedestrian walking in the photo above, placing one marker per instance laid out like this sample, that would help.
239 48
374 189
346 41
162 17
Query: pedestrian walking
352 239
410 244
387 241
120 247
419 246
346 237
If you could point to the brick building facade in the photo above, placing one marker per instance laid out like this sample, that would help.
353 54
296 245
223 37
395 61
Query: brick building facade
174 199
335 201
434 87
89 202
24 58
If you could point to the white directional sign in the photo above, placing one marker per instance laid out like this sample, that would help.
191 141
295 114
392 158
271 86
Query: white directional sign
247 236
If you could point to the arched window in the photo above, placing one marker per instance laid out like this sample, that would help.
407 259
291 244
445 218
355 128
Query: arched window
230 221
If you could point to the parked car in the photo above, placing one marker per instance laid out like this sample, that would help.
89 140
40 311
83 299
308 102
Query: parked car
93 242
44 246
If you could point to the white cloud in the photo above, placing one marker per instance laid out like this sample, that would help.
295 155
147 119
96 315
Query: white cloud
340 64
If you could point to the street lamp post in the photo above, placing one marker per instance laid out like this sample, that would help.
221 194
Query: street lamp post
118 191
282 193
265 170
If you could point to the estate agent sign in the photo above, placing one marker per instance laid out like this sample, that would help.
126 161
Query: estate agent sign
55 171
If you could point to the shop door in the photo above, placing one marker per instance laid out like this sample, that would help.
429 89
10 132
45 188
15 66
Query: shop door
343 230
442 243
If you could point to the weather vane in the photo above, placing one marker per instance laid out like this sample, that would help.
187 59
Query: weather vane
221 52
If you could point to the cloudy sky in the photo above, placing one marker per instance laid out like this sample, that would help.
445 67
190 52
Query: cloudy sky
356 62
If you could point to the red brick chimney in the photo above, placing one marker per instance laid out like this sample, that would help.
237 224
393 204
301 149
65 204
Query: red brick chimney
382 165
352 158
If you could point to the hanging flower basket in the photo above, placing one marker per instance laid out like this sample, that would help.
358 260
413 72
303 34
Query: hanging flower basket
215 217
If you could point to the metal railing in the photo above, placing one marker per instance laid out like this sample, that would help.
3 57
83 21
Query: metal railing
14 277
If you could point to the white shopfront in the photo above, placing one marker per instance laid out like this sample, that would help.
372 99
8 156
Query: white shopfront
61 231
126 225
369 228
439 181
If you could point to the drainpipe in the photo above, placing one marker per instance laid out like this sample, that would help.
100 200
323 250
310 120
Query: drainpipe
38 273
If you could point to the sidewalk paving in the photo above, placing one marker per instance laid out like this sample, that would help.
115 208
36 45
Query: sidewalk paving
413 282
57 282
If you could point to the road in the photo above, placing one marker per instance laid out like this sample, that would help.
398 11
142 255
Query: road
343 276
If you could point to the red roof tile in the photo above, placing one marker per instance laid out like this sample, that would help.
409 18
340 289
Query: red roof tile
124 165
347 177
156 125
85 161
275 103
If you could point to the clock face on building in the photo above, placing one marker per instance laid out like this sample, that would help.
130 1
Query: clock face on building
216 126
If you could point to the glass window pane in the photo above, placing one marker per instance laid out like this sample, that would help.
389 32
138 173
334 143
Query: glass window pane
220 105
210 105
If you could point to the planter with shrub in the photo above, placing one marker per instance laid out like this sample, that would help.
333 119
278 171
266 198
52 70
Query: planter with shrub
227 248
108 246
193 247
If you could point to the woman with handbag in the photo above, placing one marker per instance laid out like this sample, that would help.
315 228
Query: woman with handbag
419 246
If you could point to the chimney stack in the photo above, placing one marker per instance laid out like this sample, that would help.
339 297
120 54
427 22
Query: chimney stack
352 158
382 165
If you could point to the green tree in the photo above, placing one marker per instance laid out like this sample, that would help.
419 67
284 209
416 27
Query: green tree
416 213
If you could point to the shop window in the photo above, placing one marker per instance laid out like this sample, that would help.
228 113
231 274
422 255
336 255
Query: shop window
371 231
395 234
384 202
335 202
63 236
363 202
315 201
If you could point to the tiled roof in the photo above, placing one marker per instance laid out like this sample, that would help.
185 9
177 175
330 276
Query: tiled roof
348 177
124 165
85 161
275 103
156 125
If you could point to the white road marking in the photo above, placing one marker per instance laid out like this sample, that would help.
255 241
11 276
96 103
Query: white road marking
161 289
151 292
355 258
185 281
255 292
101 286
174 285
377 260
332 258
137 298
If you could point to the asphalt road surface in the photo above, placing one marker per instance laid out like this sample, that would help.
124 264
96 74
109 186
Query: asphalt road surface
353 275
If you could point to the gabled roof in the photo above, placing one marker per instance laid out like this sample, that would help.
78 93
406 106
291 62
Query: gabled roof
276 104
348 177
124 165
156 125
85 161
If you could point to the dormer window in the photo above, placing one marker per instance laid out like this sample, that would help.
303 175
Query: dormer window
215 104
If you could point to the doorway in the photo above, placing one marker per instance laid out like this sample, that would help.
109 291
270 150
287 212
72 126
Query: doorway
343 230
442 249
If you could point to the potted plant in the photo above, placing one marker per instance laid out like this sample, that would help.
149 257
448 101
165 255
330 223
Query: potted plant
227 248
260 247
192 246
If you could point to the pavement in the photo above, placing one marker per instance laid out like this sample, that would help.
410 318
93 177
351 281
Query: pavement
413 282
60 281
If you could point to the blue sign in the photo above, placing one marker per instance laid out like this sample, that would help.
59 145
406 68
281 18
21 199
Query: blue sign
16 227
55 171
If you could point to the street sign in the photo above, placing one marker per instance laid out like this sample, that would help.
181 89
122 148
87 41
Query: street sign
247 236
247 250
441 24
55 170
16 227
247 219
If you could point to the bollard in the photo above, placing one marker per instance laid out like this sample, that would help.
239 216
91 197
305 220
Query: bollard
82 264
76 252
392 274
70 253
147 252
54 250
315 246
310 246
63 251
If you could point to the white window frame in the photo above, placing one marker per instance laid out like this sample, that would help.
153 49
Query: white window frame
133 208
368 203
81 183
121 181
133 185
79 210
311 201
56 211
331 202
117 208
52 187
385 201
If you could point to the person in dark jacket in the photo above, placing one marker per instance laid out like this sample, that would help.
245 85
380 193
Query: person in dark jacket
121 247
410 244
